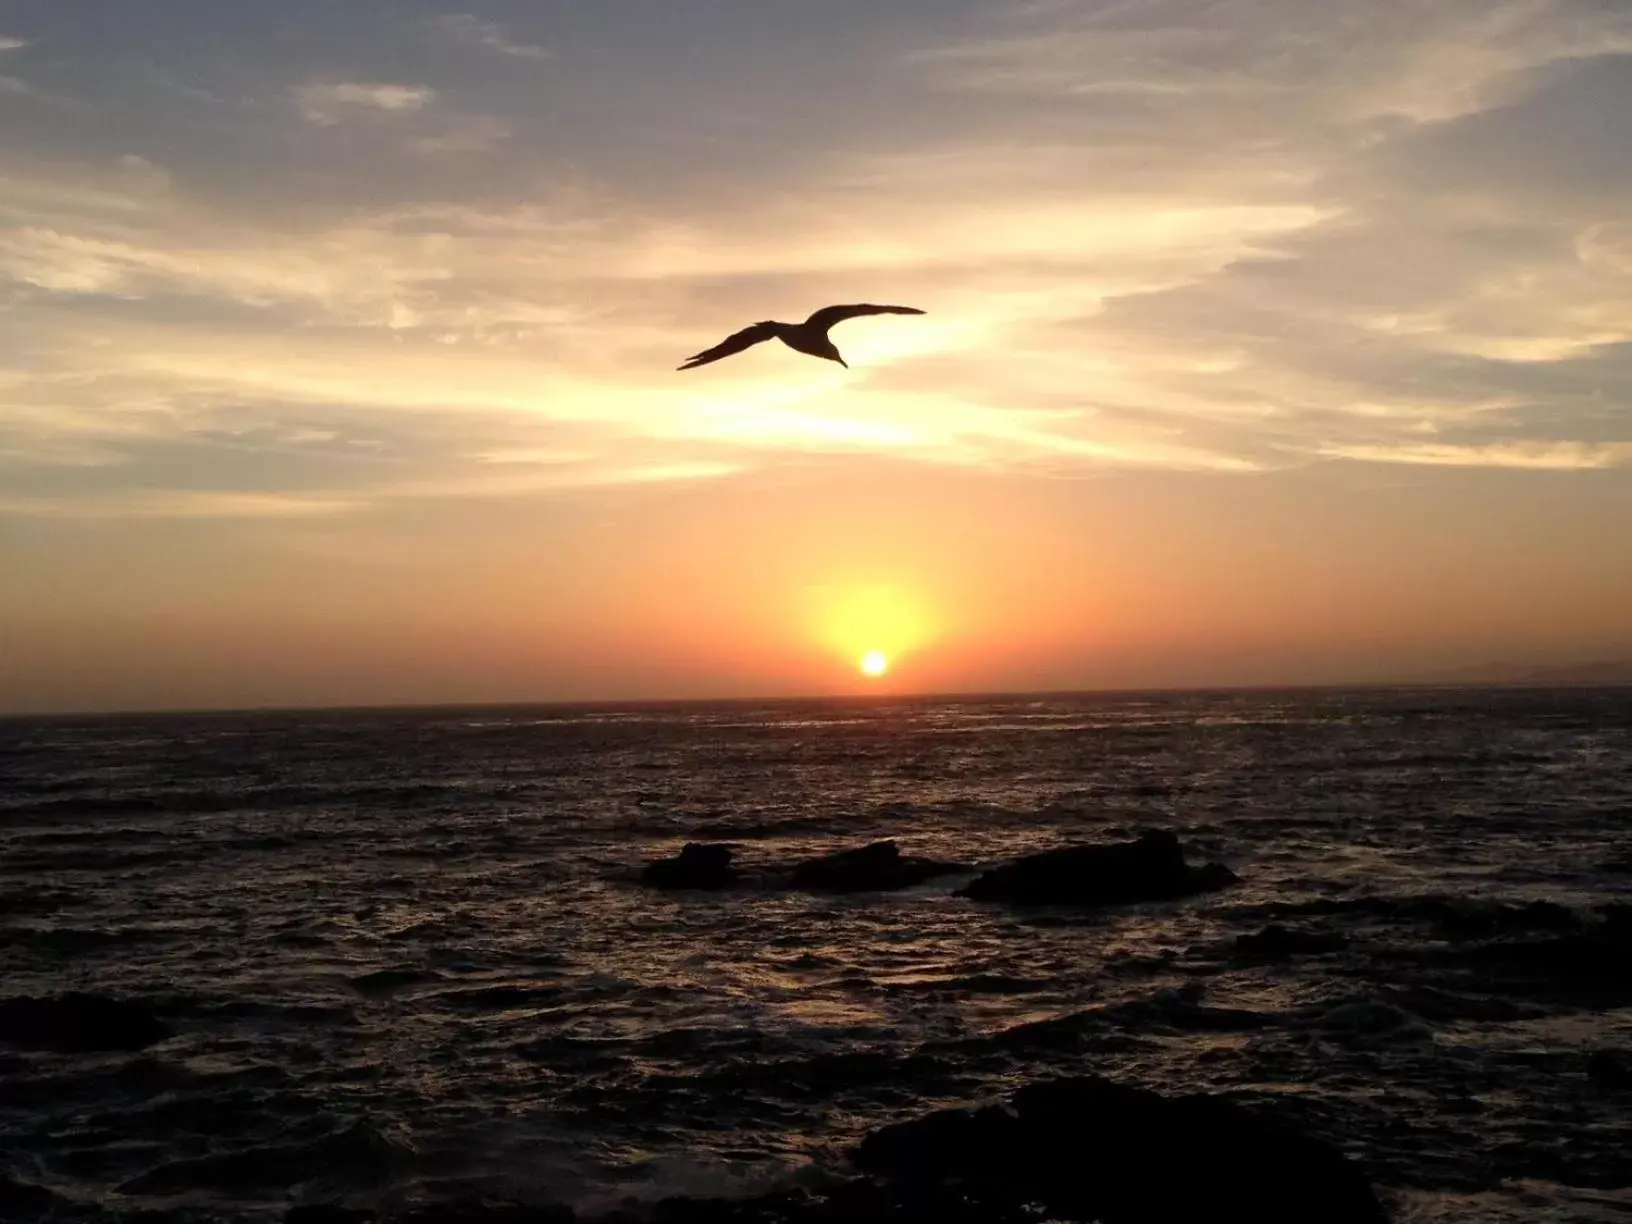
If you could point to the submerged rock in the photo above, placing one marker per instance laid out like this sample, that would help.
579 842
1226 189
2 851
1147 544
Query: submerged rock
327 1213
78 1023
1084 1150
1151 868
1278 943
878 867
1090 1149
946 1144
18 1198
701 865
1611 1069
1593 964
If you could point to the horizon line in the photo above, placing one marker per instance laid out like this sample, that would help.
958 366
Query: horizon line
807 698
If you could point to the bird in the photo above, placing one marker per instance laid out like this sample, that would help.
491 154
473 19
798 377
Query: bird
809 337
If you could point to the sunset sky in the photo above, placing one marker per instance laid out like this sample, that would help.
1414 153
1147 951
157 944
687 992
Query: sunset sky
1265 342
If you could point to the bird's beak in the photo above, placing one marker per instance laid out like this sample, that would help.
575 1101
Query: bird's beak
842 362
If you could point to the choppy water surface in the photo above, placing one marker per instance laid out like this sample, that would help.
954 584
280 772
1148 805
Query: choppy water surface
403 959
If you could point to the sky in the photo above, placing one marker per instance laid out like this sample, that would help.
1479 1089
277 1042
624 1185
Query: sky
1266 342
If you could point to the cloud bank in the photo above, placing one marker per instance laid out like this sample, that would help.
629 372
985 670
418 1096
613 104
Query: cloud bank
1161 235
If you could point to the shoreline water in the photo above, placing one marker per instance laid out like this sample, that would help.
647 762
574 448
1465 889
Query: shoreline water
403 944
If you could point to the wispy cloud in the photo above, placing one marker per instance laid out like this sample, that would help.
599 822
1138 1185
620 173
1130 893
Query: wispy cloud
177 505
1543 456
1205 249
476 32
12 44
469 134
1346 59
329 103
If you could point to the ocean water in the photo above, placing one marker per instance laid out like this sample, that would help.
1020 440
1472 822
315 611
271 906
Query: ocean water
403 958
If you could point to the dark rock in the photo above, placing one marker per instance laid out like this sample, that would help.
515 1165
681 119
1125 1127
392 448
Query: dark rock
358 1151
1593 965
1079 1149
386 981
702 865
327 1213
940 1145
486 1211
1151 868
683 1209
878 867
1611 1069
1089 1149
1447 1006
1470 919
1367 1018
1237 1163
19 1198
1279 943
77 1023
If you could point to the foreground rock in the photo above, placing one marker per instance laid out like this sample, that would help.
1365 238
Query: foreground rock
1121 873
1089 1149
700 865
878 867
78 1023
1083 1150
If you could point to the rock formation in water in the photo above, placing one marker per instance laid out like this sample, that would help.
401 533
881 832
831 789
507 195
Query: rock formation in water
878 867
78 1023
699 865
1152 868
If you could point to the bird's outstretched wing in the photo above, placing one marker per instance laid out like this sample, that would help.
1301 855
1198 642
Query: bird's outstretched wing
746 338
827 316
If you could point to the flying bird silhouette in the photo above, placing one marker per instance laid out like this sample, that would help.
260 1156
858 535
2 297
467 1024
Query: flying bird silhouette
808 337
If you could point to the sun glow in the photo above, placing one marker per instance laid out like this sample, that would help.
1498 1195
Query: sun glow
872 625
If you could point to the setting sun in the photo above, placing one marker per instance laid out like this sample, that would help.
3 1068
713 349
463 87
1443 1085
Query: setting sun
871 624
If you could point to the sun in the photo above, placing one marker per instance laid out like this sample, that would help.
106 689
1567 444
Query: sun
875 663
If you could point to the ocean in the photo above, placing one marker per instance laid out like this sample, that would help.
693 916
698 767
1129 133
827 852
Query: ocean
401 960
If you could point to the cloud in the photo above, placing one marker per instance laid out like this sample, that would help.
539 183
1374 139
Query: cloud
472 134
476 32
1349 61
122 497
177 505
19 88
329 103
1176 244
1545 456
11 44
